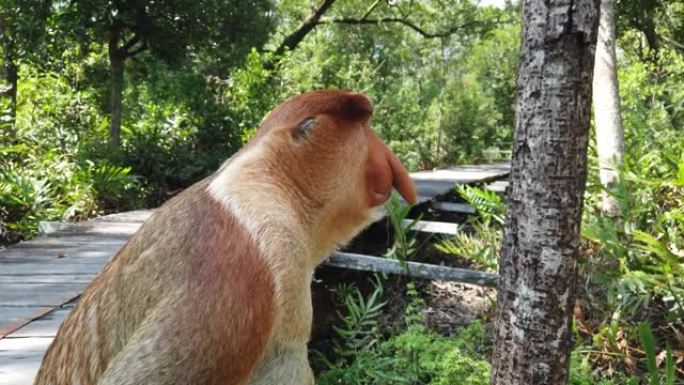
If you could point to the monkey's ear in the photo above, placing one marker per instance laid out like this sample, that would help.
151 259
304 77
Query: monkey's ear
303 129
354 107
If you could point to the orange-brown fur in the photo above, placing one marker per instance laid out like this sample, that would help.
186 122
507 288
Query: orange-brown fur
214 287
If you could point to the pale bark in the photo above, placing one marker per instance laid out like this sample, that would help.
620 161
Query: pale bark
538 259
9 72
607 119
117 58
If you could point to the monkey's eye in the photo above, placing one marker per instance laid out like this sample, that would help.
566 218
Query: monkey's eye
304 128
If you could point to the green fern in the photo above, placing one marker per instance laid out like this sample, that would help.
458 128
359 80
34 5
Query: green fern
487 203
481 246
360 319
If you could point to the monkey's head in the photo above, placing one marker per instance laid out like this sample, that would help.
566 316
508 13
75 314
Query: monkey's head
318 148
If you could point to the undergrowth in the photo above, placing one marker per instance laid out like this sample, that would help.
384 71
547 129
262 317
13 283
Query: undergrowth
416 355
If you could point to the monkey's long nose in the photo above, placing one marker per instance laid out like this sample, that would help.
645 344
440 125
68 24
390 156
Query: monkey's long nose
386 171
401 179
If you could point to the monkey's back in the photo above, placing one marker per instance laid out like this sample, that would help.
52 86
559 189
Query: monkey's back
187 298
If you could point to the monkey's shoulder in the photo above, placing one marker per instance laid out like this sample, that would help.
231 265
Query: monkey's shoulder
193 234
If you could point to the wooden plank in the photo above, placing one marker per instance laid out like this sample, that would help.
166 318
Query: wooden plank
434 183
34 280
498 186
53 253
460 208
138 216
45 326
39 294
432 189
464 174
47 278
20 359
50 255
415 269
13 317
57 241
114 223
434 227
64 267
38 275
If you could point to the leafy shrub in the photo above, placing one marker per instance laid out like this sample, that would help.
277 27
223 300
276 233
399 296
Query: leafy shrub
415 356
44 186
638 254
581 373
632 262
44 174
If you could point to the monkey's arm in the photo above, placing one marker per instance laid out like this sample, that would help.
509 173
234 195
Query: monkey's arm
287 365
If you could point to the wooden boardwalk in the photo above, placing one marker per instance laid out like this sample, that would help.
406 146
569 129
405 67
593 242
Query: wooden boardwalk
41 279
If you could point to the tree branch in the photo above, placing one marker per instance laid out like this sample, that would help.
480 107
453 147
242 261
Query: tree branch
293 39
316 17
136 51
370 9
405 22
673 43
129 44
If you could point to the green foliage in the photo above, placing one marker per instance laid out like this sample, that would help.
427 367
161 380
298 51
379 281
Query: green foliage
358 336
416 356
489 205
359 329
429 358
23 27
419 356
46 171
413 356
413 314
649 345
404 234
51 186
641 249
113 186
633 262
476 105
638 256
581 373
482 243
222 31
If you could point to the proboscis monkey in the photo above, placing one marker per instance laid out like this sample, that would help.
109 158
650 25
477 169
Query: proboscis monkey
215 286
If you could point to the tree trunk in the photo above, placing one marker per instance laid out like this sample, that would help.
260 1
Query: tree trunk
116 61
607 120
10 81
538 258
9 72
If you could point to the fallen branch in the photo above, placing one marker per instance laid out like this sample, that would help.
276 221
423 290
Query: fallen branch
415 269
